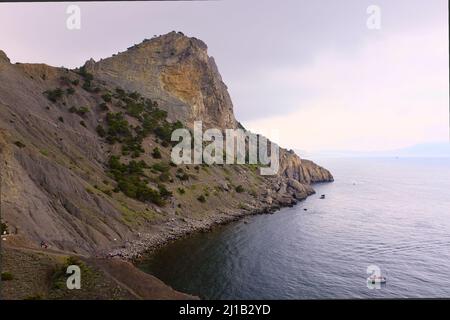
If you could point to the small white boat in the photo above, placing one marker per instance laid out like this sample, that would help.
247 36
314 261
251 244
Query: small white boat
376 279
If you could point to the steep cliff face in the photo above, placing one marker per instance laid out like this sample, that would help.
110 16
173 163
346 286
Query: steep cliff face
177 69
178 72
60 128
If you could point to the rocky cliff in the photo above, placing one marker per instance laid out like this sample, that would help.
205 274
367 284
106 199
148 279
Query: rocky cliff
177 71
86 155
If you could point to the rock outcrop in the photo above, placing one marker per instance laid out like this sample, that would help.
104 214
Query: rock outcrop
4 58
178 72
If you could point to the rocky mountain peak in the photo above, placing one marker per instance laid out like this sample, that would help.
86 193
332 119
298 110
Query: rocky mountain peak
177 72
177 41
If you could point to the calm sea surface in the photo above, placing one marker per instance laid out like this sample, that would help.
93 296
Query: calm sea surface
391 213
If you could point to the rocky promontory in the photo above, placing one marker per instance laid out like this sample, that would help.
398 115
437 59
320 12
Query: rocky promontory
86 155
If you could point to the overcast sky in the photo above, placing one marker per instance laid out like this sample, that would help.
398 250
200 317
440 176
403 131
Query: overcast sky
310 70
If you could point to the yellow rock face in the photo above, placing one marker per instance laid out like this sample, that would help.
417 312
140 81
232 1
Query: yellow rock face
183 81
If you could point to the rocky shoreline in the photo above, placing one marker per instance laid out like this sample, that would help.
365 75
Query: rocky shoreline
135 250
